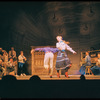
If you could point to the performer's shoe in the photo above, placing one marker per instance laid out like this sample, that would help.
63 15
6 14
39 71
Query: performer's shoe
21 74
50 76
24 74
66 75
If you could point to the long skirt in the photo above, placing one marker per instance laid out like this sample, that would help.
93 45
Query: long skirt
82 70
62 61
95 70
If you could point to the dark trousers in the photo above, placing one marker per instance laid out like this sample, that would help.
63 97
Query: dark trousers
20 68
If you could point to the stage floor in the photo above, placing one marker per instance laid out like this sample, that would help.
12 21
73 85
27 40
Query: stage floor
62 77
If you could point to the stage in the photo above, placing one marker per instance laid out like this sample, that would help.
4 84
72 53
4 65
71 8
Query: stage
62 77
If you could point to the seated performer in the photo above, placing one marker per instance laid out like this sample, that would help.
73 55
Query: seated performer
10 66
48 56
5 56
2 69
21 64
1 57
5 60
96 69
87 63
12 54
63 61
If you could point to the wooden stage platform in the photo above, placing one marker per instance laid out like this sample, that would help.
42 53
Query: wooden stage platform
62 77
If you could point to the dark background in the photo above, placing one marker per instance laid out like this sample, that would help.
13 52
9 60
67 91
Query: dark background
24 24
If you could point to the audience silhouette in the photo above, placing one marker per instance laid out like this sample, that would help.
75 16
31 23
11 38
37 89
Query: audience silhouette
9 78
82 77
35 77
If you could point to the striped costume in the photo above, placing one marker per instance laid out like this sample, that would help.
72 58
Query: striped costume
63 61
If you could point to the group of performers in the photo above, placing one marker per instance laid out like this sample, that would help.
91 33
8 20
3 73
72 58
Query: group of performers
94 69
62 62
9 62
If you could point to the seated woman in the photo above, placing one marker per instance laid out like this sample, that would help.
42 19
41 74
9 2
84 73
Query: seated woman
87 63
96 69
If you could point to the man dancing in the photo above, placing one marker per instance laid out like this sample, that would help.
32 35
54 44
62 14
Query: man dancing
49 55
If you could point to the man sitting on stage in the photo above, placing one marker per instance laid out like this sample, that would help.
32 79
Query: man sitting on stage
87 63
10 66
96 69
12 54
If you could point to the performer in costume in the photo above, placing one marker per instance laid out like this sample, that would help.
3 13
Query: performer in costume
12 54
2 69
63 61
96 69
10 66
87 63
21 64
49 55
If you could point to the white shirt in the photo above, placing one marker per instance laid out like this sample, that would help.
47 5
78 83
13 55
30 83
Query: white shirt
61 44
10 64
70 49
64 46
20 59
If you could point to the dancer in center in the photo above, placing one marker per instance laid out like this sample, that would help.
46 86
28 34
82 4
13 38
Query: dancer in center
63 61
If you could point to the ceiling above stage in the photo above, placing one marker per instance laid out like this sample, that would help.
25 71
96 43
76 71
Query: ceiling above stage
38 23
